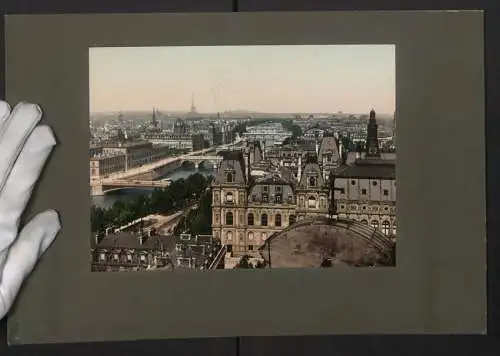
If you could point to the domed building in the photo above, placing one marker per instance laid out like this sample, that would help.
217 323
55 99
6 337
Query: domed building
325 242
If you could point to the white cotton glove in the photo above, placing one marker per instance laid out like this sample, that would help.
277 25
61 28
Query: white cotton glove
24 149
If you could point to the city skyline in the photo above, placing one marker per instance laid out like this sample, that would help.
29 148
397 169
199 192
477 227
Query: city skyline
268 79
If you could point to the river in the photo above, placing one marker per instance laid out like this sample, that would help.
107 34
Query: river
106 201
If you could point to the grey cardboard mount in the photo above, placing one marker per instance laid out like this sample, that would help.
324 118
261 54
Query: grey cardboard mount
439 283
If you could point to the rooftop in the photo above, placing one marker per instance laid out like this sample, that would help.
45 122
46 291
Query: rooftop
128 240
368 169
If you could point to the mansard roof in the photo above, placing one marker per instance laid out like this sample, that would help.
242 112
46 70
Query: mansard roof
231 161
311 169
329 146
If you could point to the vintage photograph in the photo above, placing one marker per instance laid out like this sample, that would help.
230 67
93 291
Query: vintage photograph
242 157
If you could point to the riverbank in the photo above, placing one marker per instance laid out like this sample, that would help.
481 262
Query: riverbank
124 195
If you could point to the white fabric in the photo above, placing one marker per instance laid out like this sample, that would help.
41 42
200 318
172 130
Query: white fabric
24 148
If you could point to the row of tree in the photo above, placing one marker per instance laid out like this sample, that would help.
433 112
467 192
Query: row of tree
246 264
198 221
178 195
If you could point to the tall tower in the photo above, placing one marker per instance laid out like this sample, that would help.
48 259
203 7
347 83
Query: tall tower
193 107
372 148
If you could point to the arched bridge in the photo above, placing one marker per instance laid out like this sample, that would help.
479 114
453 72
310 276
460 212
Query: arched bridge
207 161
108 185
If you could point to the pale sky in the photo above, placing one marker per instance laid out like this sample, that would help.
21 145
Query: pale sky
312 78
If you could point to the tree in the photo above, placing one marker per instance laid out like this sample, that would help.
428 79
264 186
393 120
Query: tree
160 201
326 263
245 263
260 264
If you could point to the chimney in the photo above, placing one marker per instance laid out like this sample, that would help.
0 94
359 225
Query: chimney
299 171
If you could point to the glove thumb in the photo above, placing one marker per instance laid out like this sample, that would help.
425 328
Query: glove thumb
32 242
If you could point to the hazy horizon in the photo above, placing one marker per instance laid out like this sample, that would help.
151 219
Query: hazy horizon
261 79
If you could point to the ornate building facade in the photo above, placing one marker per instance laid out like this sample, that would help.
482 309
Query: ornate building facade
366 190
248 209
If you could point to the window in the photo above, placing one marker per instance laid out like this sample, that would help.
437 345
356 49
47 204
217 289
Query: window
394 226
263 236
229 197
311 202
342 207
375 224
353 182
374 183
266 188
364 222
292 219
386 227
322 203
250 247
230 248
103 257
250 235
278 198
277 220
386 192
312 181
116 257
278 189
129 257
229 235
229 177
229 218
250 219
263 219
363 191
342 191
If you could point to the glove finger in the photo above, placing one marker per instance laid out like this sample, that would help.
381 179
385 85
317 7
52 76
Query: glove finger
33 241
20 183
4 113
13 135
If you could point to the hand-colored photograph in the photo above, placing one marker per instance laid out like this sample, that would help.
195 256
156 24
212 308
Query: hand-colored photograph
242 157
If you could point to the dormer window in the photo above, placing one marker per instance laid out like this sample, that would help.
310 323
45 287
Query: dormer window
312 181
229 177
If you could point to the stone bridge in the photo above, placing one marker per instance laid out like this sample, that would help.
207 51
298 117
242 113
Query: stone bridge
106 186
207 161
